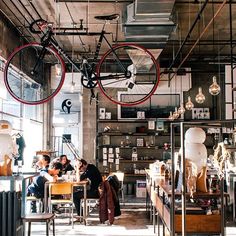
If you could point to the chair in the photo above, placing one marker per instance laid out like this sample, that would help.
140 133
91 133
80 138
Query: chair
65 190
91 203
120 176
37 200
42 217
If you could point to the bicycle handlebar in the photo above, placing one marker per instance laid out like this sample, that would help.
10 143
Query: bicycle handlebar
40 24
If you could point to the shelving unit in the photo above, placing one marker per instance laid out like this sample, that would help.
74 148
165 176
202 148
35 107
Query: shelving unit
122 135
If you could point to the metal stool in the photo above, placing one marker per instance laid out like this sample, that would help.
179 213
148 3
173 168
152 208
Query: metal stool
42 217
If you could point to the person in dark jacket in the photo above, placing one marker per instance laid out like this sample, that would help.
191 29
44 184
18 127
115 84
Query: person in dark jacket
91 173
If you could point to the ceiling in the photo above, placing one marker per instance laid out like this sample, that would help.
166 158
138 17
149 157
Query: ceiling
179 33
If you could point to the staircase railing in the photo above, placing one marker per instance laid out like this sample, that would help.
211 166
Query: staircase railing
58 142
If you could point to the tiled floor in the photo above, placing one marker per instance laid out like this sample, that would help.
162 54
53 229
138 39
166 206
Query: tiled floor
132 222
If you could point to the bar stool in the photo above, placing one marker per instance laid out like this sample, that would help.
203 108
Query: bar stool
42 217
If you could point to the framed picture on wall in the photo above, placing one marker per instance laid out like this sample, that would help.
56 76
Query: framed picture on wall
157 106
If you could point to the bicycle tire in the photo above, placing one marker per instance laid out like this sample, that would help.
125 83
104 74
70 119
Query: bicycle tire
140 78
30 79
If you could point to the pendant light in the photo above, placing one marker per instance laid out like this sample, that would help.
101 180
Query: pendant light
189 105
214 88
176 114
171 118
200 97
181 109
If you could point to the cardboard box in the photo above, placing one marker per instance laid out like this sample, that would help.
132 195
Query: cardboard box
141 188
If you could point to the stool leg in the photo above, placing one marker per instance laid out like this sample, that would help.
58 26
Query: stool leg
47 228
29 228
53 227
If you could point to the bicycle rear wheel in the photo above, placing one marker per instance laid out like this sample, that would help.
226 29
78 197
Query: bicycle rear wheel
34 74
128 74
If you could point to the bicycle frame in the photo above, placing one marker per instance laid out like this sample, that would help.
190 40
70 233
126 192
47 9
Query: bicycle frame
109 71
53 42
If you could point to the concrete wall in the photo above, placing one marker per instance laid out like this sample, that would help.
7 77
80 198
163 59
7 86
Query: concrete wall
9 37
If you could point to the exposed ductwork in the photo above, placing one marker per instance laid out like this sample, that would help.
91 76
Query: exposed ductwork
148 22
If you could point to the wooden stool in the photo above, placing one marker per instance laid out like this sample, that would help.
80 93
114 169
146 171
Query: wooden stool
42 217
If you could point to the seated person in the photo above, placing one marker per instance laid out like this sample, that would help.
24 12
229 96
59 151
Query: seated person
66 166
43 162
36 188
92 174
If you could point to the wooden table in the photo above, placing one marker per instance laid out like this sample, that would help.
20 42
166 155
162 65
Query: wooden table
83 184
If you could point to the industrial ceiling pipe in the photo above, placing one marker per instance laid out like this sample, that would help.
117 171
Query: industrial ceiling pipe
198 39
23 26
198 17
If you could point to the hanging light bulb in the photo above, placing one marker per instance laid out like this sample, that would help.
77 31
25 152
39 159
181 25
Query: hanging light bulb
171 116
189 105
176 114
72 88
58 69
200 98
181 109
214 88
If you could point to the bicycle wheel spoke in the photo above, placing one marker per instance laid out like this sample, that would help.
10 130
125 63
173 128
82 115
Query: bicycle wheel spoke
141 76
34 74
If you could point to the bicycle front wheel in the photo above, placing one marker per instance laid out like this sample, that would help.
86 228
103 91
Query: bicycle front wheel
128 74
34 74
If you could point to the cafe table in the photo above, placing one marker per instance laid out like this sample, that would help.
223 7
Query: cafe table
83 184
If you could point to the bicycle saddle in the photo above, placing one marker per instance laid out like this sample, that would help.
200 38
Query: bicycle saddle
108 17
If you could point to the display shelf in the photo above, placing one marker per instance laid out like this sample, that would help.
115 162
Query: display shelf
151 133
123 121
139 161
130 147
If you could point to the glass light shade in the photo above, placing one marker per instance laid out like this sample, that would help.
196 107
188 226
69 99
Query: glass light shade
214 88
72 88
181 109
176 114
189 105
195 135
171 116
200 98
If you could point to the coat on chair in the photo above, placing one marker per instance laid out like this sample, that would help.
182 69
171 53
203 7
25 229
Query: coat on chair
106 203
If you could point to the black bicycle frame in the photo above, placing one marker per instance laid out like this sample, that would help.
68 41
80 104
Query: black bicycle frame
54 43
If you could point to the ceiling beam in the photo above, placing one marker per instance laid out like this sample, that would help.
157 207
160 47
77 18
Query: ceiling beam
98 1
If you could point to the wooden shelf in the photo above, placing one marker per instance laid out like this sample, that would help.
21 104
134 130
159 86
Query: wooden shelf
124 121
153 133
138 161
134 175
116 146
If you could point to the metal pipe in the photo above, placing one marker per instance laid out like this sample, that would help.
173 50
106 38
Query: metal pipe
172 209
188 34
34 8
98 1
203 32
20 12
15 17
231 56
26 10
183 192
